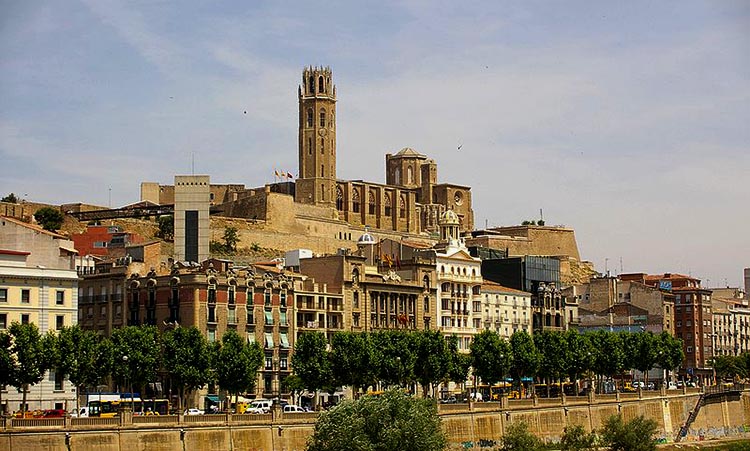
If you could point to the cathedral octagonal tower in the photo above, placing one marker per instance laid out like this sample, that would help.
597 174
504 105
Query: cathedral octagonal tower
317 138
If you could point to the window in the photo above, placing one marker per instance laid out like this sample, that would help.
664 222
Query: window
284 340
355 201
211 313
310 118
103 311
402 207
250 316
269 362
371 203
231 316
3 320
230 295
690 349
283 363
282 319
322 117
339 199
320 84
59 381
267 298
251 337
355 301
387 203
269 340
60 297
3 295
211 335
282 298
25 296
25 318
269 318
212 294
59 322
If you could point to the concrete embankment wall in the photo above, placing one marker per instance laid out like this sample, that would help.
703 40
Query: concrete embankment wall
479 426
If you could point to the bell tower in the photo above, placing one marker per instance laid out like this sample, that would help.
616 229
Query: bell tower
317 138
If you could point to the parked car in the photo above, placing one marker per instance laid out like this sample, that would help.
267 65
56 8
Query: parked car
193 411
672 386
254 410
289 408
54 413
449 400
83 413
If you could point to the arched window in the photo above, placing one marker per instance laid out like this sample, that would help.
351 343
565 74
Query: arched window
322 168
371 203
322 146
309 117
426 282
355 200
397 176
402 207
320 84
309 146
322 117
387 203
355 276
409 175
311 85
339 199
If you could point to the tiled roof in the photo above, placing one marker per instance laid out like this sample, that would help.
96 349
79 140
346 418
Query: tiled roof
492 286
33 227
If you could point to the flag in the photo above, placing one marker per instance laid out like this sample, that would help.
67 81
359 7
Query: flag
289 175
387 259
276 172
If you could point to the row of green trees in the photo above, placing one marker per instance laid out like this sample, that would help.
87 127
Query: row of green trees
132 357
553 356
393 358
401 358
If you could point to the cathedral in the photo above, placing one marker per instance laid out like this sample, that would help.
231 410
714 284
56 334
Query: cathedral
319 204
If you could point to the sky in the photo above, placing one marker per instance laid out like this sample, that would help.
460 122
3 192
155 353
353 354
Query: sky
626 121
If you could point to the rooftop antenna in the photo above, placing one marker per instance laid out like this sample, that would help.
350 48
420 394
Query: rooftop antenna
110 197
541 214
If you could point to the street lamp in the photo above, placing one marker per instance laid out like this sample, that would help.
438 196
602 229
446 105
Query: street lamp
127 372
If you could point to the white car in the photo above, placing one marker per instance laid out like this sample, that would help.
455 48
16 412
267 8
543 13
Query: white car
291 408
193 411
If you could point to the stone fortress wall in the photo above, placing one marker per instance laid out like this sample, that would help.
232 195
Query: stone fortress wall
475 426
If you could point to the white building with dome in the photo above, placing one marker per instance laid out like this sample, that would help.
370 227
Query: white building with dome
459 282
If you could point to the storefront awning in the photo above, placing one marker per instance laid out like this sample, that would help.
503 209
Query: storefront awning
213 398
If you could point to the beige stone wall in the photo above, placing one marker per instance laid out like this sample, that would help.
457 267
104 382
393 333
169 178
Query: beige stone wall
531 240
481 427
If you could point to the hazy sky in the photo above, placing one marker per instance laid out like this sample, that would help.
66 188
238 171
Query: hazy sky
627 121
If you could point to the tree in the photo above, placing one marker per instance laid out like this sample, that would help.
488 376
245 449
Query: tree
352 359
525 356
635 435
394 357
10 198
575 438
30 358
8 362
555 355
581 354
727 366
387 422
136 355
166 227
81 357
459 363
671 355
231 238
49 218
311 361
490 356
432 359
647 352
518 438
186 359
238 363
609 356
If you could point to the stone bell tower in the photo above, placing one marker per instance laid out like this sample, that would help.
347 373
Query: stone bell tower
317 138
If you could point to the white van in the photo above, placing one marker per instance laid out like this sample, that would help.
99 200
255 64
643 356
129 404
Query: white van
261 404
